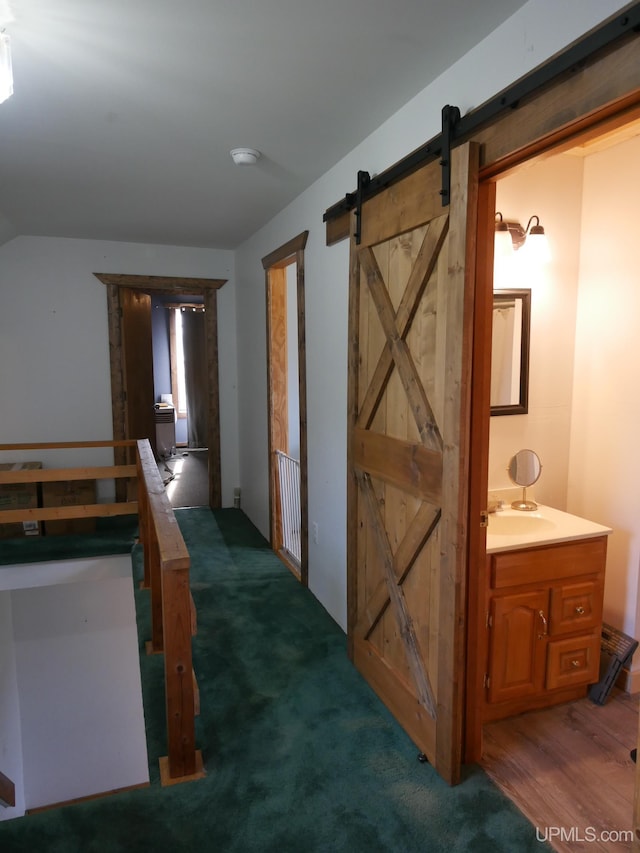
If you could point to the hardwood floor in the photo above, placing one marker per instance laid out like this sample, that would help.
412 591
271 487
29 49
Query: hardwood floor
569 771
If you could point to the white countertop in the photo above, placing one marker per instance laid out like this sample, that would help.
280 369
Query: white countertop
510 529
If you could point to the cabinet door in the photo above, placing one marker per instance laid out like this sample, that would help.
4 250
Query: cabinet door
517 644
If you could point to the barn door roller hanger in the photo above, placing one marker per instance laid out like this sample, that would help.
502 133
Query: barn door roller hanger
440 147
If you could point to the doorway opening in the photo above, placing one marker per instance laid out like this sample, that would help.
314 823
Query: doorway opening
287 407
581 369
131 361
180 381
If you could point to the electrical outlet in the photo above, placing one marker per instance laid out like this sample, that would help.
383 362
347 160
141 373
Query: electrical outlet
314 528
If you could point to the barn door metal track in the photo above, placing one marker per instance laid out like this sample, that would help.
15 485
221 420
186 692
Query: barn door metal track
457 129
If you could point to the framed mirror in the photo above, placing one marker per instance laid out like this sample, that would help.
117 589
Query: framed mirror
510 352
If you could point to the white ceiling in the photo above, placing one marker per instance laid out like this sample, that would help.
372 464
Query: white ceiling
124 111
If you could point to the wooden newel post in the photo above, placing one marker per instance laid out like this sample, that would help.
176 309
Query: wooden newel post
182 757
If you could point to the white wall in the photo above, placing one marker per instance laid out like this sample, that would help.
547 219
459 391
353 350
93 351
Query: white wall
605 460
552 190
78 678
10 727
532 35
55 382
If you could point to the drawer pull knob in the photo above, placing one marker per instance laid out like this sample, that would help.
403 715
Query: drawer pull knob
544 625
580 610
575 664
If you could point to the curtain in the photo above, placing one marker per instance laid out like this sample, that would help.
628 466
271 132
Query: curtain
195 376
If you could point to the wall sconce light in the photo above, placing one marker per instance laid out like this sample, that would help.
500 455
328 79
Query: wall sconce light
6 73
510 236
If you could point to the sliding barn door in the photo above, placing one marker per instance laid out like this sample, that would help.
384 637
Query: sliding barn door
411 292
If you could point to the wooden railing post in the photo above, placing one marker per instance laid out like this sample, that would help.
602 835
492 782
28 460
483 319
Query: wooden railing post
178 672
172 621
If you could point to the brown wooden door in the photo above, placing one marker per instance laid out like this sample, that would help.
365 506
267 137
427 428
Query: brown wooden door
411 295
138 364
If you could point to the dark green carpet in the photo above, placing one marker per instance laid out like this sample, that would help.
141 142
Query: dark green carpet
299 753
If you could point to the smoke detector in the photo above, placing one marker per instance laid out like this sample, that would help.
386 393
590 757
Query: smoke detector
245 156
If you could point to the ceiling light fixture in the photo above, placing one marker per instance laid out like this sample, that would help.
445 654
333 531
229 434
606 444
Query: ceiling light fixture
6 73
245 156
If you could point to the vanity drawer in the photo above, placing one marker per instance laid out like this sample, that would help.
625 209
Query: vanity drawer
575 607
573 661
548 563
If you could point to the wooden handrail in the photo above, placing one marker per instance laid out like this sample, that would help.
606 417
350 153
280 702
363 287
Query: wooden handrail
166 574
167 565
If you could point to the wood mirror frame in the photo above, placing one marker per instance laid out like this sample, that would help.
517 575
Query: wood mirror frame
519 406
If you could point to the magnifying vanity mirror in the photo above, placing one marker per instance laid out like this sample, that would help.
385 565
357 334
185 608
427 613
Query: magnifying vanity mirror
524 470
510 352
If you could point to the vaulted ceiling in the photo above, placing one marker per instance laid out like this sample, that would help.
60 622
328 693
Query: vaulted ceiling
124 111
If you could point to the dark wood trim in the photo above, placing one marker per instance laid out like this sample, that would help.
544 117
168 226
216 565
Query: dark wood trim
161 283
283 255
213 439
275 262
89 798
171 285
302 405
479 474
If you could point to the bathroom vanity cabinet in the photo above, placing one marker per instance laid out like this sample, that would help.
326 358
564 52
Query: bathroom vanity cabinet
544 622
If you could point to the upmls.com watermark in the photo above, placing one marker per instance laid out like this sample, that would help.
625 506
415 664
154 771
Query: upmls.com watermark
573 834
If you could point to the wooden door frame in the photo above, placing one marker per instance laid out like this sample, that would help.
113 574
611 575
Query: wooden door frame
602 97
274 265
176 286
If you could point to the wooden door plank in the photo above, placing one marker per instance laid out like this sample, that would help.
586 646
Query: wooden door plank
420 405
413 468
417 283
408 204
405 626
458 333
419 531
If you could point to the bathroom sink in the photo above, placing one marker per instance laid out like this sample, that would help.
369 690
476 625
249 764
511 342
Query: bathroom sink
518 523
511 529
